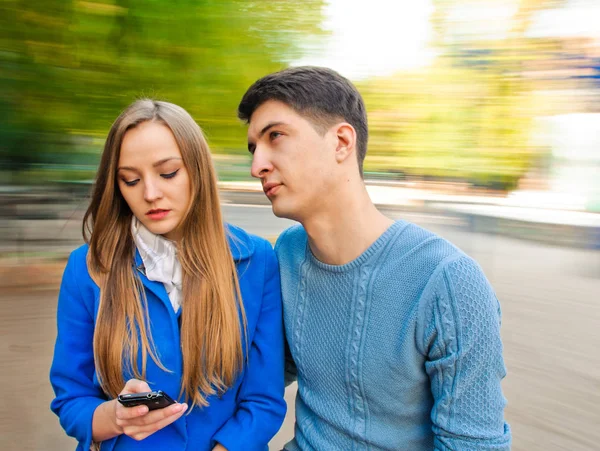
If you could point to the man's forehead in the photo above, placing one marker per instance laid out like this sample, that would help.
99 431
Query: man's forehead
271 112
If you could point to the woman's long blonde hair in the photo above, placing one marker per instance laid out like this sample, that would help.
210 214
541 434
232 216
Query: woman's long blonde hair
213 319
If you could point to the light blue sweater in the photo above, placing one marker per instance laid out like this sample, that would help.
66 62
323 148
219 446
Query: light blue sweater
397 350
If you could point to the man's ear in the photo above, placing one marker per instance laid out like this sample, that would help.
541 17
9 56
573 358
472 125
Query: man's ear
346 141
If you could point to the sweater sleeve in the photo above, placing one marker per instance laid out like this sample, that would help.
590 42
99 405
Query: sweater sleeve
72 371
261 407
464 360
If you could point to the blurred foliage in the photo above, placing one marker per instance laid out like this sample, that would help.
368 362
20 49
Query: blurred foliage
469 116
450 123
67 68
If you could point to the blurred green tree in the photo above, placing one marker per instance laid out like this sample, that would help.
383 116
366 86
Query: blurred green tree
67 68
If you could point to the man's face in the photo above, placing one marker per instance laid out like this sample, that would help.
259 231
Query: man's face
294 162
153 179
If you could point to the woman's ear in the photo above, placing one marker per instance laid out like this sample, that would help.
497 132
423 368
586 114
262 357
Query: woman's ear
346 141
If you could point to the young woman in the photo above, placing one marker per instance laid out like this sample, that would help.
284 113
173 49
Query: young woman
164 296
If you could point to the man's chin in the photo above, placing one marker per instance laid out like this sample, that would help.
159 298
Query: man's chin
277 211
280 211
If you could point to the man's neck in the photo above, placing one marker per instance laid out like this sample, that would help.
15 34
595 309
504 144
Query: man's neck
345 229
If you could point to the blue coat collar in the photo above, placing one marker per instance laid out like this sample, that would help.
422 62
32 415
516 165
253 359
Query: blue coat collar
240 244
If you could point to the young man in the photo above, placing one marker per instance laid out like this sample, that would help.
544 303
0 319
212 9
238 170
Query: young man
393 333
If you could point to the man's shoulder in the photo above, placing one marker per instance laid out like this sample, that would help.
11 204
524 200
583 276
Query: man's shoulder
420 252
291 240
438 261
421 243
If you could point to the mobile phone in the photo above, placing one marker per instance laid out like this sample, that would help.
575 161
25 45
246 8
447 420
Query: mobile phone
154 399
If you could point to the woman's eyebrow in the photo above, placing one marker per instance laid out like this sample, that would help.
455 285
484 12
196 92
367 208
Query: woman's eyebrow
127 168
156 164
164 160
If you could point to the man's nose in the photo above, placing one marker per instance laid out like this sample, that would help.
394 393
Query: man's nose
261 163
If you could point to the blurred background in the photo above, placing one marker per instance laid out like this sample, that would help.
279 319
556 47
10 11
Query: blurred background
484 127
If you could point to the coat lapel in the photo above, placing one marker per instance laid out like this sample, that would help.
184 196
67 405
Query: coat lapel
157 288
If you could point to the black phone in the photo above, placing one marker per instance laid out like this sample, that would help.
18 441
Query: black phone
154 399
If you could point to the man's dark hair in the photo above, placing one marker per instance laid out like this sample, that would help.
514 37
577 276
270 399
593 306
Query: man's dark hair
319 94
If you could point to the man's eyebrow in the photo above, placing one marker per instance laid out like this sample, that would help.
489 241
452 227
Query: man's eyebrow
154 165
251 145
268 126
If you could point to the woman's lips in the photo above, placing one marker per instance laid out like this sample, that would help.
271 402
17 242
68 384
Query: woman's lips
157 214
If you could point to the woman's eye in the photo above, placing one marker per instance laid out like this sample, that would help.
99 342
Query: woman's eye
170 175
131 182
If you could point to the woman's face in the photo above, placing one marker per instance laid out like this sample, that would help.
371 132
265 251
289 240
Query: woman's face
153 179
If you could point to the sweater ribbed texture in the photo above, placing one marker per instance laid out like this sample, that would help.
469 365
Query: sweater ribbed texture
397 350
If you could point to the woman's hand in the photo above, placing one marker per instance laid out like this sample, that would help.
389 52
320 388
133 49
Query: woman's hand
138 422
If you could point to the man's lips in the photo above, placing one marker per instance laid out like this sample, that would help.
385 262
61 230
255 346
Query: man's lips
271 188
157 213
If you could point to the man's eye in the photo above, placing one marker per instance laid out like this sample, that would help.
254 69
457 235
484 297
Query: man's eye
131 182
274 135
170 175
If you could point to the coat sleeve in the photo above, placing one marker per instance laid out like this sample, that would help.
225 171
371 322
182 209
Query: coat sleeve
261 407
464 361
72 371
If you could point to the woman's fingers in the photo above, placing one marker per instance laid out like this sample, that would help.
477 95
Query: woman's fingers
140 428
135 386
139 422
126 414
157 415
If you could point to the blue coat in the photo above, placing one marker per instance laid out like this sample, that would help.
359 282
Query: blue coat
245 418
